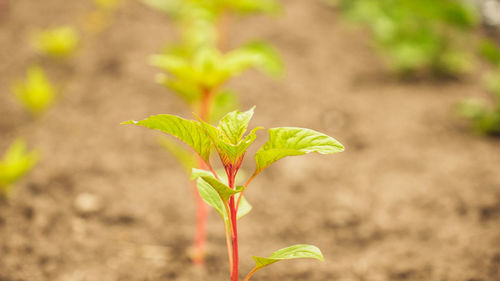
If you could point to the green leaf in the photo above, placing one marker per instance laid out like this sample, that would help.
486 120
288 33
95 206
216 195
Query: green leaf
290 141
255 54
188 131
292 252
227 136
186 158
224 102
229 153
16 162
36 93
199 173
211 197
252 6
224 191
235 124
244 207
59 42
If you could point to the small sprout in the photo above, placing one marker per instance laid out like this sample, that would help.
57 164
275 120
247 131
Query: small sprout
59 42
230 141
16 163
36 93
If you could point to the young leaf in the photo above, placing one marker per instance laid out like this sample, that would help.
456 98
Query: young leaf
255 54
15 164
211 197
200 173
235 124
230 153
36 93
224 191
292 252
58 42
188 131
290 141
244 207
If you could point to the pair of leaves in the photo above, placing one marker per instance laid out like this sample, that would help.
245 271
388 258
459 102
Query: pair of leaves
208 68
229 141
36 93
228 136
16 162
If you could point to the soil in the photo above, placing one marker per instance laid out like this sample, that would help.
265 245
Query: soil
415 196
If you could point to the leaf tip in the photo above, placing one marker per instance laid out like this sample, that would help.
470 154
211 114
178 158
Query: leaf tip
133 122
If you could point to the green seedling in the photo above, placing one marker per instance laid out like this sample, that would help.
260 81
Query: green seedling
230 143
419 35
16 163
197 68
36 93
484 118
199 78
59 42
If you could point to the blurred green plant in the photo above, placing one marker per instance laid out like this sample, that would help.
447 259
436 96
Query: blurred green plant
230 143
198 66
100 18
199 79
59 42
419 35
36 94
484 117
15 164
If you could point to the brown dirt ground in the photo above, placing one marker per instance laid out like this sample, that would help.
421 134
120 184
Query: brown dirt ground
415 196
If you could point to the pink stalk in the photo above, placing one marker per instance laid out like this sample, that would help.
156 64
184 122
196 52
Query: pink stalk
234 227
201 206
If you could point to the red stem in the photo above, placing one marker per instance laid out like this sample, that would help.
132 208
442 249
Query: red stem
201 206
234 231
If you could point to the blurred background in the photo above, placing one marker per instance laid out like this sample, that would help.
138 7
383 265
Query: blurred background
410 87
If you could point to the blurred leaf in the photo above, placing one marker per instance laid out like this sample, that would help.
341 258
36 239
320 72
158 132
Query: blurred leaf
107 4
253 6
185 157
255 54
224 102
490 51
244 207
36 93
59 42
16 162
